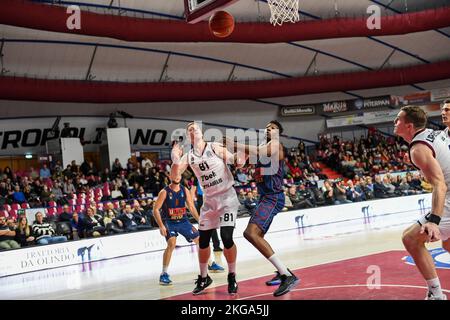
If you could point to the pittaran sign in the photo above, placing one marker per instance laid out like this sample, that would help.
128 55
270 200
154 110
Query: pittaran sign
367 103
356 104
288 111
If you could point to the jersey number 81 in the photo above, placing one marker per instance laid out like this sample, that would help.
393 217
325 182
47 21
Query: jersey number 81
203 166
227 217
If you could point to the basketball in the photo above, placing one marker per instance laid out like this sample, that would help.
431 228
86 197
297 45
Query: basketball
221 24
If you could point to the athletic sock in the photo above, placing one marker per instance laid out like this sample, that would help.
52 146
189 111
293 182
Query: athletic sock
434 286
164 270
282 269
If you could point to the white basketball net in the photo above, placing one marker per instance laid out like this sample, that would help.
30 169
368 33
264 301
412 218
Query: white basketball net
283 11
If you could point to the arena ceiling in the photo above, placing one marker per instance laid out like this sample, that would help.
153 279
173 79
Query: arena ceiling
36 53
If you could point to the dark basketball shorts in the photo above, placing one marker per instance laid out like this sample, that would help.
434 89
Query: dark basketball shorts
268 207
183 227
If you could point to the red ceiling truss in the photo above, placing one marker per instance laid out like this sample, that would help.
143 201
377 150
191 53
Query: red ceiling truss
17 88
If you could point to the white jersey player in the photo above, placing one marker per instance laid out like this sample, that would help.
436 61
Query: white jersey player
429 152
220 203
439 143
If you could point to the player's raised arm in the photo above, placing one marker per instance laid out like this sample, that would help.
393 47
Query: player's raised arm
190 204
238 159
267 149
179 161
271 147
157 206
422 157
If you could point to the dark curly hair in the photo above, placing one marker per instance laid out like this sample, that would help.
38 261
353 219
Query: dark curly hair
279 126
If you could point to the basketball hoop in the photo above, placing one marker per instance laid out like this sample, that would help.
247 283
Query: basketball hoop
283 11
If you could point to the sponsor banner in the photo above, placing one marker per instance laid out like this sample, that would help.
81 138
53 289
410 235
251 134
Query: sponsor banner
19 136
413 98
380 116
369 103
356 104
33 135
82 251
350 120
288 111
440 94
366 118
432 110
316 222
418 98
336 106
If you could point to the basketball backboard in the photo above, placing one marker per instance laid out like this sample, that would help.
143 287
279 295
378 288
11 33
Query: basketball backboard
197 10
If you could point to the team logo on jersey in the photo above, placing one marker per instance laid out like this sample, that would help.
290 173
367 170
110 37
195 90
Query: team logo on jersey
440 257
432 136
192 159
208 153
170 195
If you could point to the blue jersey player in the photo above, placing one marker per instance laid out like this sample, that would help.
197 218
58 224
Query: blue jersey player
173 220
269 179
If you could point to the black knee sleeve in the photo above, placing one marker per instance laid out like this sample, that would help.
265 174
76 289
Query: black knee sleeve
205 238
226 233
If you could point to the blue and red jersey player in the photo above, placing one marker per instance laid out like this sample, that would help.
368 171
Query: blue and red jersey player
269 178
269 181
173 220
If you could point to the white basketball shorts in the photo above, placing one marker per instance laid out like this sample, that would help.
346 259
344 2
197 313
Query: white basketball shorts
444 225
219 210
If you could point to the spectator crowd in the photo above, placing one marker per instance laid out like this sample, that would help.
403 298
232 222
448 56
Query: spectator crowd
80 201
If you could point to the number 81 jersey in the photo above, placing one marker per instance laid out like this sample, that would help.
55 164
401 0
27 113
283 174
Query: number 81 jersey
211 171
439 142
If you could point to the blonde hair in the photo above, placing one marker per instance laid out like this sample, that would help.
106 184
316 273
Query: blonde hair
26 227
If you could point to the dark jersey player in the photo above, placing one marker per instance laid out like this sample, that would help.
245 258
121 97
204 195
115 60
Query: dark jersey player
269 178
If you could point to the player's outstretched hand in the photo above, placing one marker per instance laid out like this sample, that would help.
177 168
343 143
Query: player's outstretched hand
177 153
432 231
